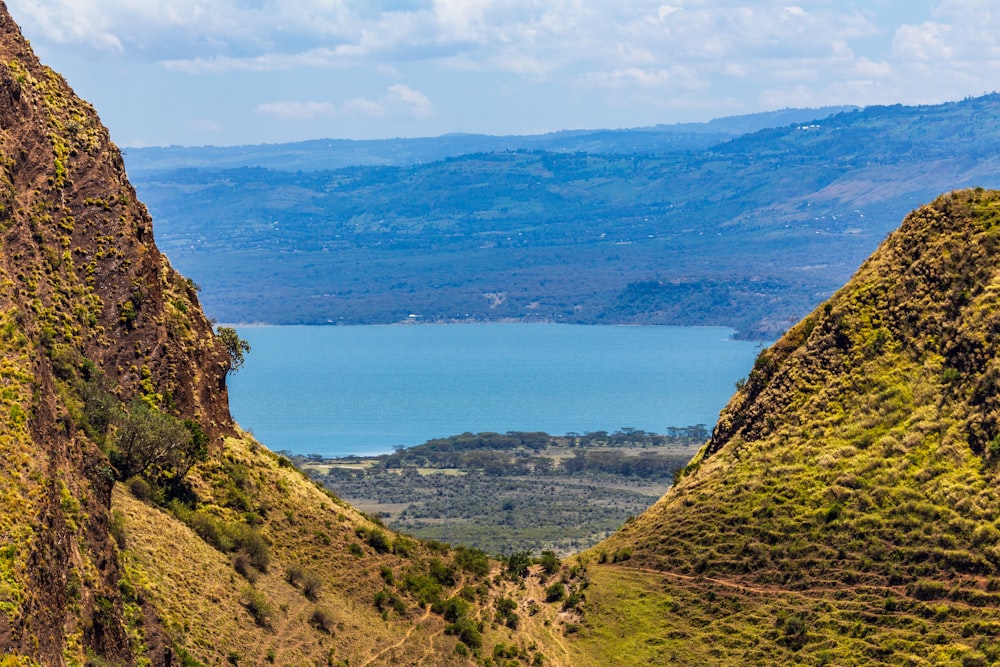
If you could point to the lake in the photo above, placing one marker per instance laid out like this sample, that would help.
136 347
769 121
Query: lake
342 390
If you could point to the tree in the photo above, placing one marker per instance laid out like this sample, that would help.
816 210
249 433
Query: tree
149 441
236 347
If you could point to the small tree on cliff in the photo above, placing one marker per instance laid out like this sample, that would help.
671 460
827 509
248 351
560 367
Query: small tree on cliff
235 346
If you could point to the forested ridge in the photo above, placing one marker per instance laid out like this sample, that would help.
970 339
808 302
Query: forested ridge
750 230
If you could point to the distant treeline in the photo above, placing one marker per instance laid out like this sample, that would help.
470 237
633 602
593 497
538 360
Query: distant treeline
523 453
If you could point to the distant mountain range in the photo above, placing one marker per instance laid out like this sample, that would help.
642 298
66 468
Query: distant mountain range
689 225
324 154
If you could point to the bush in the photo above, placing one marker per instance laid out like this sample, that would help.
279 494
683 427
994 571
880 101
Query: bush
573 601
294 574
926 590
467 632
403 546
454 609
140 489
235 347
150 442
518 564
322 620
311 586
473 561
241 563
424 587
549 562
248 540
117 529
556 592
259 607
443 573
385 600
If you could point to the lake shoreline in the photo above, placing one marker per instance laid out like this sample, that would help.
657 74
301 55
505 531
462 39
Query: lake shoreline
367 389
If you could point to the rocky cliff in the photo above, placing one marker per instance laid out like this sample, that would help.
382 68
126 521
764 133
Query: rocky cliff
83 292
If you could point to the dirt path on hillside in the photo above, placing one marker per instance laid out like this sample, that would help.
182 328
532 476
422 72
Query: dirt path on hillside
406 638
760 590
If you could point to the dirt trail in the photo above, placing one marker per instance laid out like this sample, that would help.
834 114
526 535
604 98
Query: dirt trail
406 638
761 590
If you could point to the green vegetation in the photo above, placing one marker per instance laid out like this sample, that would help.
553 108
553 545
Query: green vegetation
511 492
845 507
589 230
235 347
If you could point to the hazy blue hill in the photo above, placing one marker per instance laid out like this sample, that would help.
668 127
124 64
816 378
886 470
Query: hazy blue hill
751 232
323 154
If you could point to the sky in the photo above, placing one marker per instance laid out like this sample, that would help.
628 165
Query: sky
231 72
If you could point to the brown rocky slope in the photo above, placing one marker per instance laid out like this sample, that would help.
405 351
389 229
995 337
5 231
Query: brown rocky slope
138 525
84 290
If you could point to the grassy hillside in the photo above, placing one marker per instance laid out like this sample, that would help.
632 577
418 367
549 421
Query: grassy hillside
843 512
323 585
845 509
138 526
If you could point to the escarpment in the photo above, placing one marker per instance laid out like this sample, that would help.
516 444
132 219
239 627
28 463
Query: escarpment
85 299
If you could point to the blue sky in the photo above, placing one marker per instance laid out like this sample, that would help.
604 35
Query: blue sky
194 72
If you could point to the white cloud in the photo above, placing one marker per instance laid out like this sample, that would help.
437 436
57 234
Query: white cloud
925 42
702 58
413 100
399 101
298 110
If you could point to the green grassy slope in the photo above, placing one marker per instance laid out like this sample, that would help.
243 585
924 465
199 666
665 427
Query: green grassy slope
328 586
845 509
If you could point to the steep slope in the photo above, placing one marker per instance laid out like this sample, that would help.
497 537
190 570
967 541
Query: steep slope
846 506
84 293
138 525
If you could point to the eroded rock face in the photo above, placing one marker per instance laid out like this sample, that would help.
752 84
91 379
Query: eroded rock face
83 290
77 242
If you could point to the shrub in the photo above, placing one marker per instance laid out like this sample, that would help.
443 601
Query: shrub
139 488
556 592
424 587
241 563
926 590
117 528
377 540
473 561
467 632
294 574
259 607
385 600
454 609
623 554
518 564
311 586
573 601
443 573
247 539
549 562
322 620
149 441
235 347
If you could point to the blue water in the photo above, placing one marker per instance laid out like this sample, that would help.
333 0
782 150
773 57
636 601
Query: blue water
366 389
